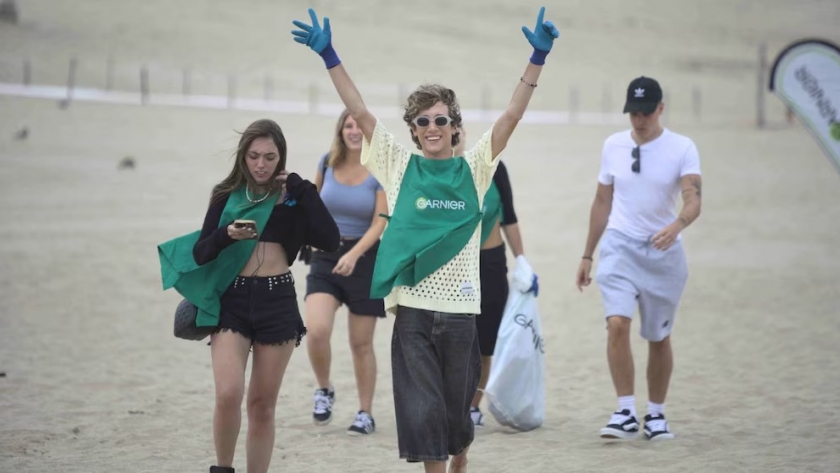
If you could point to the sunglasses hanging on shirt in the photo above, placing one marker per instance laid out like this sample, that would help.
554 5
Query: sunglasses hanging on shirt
637 160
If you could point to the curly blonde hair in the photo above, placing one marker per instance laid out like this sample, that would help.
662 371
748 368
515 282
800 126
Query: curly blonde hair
424 98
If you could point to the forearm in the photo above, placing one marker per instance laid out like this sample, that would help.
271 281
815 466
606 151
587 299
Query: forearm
371 236
214 237
690 211
207 249
348 92
523 92
514 239
691 197
509 119
598 217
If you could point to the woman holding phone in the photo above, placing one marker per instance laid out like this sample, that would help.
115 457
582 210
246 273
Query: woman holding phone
262 206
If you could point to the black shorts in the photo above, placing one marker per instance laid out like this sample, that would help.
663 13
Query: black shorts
494 294
352 291
262 309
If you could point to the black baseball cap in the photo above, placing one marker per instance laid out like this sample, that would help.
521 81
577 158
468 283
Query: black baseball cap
643 95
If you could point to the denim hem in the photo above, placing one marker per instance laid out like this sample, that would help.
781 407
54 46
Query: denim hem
463 448
423 458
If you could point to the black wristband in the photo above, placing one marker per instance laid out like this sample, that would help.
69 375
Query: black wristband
587 257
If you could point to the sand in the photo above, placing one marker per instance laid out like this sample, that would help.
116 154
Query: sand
95 381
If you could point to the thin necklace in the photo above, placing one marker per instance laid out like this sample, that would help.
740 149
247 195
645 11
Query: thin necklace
257 200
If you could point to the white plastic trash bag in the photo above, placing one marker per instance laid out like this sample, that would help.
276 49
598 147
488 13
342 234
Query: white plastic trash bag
516 386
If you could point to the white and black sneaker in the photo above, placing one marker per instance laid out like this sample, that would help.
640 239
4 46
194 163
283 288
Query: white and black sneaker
324 399
477 417
656 428
622 425
363 425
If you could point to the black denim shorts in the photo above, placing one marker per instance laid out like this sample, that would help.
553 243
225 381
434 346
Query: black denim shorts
494 294
436 366
352 291
262 309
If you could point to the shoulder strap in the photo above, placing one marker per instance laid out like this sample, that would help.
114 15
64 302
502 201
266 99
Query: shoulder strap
325 163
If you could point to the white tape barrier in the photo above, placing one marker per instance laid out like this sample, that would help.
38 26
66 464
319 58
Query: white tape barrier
286 106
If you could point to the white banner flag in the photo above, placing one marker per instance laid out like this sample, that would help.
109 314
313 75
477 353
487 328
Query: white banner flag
806 77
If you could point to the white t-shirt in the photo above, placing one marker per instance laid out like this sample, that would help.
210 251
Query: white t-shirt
456 286
645 203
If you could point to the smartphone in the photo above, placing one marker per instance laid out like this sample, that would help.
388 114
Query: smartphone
245 223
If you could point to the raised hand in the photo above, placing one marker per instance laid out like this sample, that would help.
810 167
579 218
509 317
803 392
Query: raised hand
544 34
314 36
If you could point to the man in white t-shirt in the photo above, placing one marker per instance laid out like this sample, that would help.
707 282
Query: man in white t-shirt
641 261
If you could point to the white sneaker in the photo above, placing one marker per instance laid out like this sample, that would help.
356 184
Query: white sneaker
324 399
363 425
477 417
622 425
656 428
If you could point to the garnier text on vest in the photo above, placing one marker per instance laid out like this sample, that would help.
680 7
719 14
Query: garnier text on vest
445 204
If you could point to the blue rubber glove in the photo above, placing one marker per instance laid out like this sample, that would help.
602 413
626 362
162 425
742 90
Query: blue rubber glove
319 40
542 38
535 286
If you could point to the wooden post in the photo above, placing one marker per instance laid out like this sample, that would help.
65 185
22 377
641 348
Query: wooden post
574 103
71 79
486 102
313 97
144 85
27 72
109 73
762 80
268 87
8 11
187 82
697 102
606 100
231 90
402 95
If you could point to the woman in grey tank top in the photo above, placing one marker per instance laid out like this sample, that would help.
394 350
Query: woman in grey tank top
355 199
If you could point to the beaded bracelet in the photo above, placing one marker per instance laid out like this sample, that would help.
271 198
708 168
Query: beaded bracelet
522 79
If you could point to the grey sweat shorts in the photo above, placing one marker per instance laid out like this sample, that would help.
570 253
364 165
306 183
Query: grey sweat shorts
633 273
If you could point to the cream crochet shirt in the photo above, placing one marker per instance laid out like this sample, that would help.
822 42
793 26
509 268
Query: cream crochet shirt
456 286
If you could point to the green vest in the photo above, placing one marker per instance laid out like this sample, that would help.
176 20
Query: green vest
204 285
435 215
492 210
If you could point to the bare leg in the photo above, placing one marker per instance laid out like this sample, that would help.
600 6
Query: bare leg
320 316
435 467
270 362
486 361
619 355
361 328
229 354
458 463
660 366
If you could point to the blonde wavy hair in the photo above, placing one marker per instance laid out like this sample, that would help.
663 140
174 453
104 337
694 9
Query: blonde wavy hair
338 148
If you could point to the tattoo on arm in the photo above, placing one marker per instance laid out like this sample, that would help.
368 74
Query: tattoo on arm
696 184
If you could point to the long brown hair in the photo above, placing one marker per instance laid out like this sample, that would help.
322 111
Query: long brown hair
239 175
338 149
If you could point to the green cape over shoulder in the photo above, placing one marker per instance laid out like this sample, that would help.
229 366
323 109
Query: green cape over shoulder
204 285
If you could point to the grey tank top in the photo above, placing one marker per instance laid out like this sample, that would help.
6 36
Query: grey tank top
351 207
